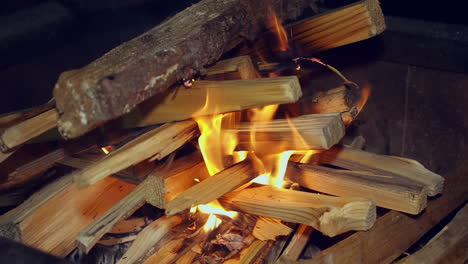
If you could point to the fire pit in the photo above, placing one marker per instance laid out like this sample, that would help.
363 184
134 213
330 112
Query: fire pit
244 159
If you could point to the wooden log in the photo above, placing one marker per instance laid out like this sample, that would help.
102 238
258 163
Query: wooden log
336 100
377 246
10 119
298 242
387 190
214 97
319 131
164 185
329 215
441 245
157 143
30 172
339 27
213 187
243 65
359 160
269 229
87 238
18 134
148 237
171 51
52 218
250 254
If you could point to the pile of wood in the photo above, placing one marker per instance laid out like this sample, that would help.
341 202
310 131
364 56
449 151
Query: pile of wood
332 188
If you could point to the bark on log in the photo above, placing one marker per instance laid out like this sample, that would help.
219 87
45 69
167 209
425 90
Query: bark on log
149 64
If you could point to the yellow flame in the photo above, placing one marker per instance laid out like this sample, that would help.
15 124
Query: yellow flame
105 150
193 209
215 208
212 223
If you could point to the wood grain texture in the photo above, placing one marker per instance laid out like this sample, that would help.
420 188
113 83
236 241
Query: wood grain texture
87 238
296 245
437 249
19 133
318 131
394 232
359 160
214 97
156 143
213 187
387 190
327 214
52 218
152 62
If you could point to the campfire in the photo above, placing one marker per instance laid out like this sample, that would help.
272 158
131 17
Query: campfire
244 166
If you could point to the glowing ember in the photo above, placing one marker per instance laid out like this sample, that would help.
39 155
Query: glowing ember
107 149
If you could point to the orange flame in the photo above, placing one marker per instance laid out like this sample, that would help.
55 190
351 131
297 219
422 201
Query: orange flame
365 93
277 28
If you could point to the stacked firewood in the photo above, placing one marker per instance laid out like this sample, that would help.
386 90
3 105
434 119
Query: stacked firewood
149 159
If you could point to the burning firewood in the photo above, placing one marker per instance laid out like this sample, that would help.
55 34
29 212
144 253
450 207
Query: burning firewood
52 218
353 23
318 131
243 65
157 143
168 53
163 185
387 190
87 238
213 97
213 187
360 160
18 134
330 215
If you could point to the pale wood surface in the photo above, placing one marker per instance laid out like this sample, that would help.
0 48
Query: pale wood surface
87 238
329 215
446 240
269 229
359 160
318 131
147 238
157 143
387 190
213 97
349 24
128 225
19 133
242 64
213 187
296 245
52 223
377 246
250 254
164 184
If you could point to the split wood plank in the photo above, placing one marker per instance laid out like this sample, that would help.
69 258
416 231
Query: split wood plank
339 27
52 218
377 246
31 171
214 97
87 238
298 242
163 185
327 214
18 134
317 131
116 240
174 50
131 225
447 239
10 119
359 160
213 187
250 254
157 143
269 229
387 190
148 237
242 64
